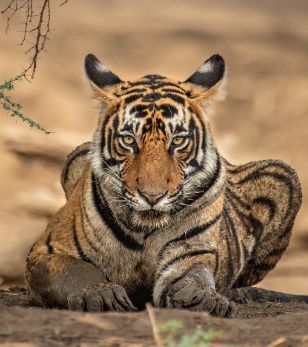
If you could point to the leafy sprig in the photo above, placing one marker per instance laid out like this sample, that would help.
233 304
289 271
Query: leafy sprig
14 108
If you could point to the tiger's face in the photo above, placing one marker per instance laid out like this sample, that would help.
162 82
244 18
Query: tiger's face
153 148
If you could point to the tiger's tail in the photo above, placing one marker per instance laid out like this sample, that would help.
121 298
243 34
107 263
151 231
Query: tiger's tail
253 294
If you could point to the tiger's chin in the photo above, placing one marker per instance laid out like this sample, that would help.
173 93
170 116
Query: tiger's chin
149 219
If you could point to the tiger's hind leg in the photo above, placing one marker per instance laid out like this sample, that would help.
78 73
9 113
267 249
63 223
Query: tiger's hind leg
273 192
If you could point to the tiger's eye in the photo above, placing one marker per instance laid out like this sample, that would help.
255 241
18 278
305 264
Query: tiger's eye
178 140
128 140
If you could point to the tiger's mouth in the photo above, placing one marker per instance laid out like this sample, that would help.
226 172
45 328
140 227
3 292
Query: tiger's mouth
149 219
152 204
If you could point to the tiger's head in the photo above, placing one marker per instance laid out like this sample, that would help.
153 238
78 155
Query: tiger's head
153 149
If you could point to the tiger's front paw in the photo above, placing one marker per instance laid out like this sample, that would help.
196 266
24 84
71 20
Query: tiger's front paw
196 291
101 297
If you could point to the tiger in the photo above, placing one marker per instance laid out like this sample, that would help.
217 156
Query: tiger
154 213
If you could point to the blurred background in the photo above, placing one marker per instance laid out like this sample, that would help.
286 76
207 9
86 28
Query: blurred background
265 115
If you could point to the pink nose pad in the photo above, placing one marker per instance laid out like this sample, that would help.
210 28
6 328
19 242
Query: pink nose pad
151 198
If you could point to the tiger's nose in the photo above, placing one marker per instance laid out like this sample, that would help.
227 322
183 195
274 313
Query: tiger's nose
152 198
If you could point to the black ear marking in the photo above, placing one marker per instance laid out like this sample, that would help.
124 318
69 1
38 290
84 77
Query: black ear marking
98 73
211 72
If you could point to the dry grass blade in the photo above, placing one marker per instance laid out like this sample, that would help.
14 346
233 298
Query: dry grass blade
277 342
157 337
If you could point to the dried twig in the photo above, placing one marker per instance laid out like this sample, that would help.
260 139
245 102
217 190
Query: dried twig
63 3
36 27
157 337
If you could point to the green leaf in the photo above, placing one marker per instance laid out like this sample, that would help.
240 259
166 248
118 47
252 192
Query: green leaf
9 105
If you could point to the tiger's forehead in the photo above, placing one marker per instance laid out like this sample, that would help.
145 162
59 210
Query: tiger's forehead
153 83
153 96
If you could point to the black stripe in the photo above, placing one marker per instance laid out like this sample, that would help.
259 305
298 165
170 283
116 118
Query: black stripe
269 203
277 252
156 84
109 142
135 90
265 267
168 84
237 199
168 111
194 163
132 98
49 246
230 270
190 234
141 83
245 220
230 223
204 137
258 174
207 185
278 164
175 97
141 110
279 177
106 214
106 164
151 97
154 77
250 220
240 168
85 215
183 257
197 138
102 138
173 90
80 252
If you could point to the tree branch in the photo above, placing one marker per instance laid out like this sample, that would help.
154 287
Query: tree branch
37 22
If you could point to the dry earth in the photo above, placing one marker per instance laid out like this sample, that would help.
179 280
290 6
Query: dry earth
265 44
271 325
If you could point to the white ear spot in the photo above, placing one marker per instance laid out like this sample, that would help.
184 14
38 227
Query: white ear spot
101 67
205 68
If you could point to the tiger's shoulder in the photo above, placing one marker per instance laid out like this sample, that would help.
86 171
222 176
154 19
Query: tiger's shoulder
75 165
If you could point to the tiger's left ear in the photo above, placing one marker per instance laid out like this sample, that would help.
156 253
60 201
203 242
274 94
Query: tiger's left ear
102 80
207 83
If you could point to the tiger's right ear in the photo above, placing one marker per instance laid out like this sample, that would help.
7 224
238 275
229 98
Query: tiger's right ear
102 80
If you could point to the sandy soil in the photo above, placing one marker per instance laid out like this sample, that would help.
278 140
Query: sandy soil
265 45
270 324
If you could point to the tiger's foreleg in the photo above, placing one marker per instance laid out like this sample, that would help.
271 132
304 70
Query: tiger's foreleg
63 281
192 287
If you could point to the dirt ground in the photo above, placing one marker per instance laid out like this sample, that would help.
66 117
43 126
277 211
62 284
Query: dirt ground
265 45
270 324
